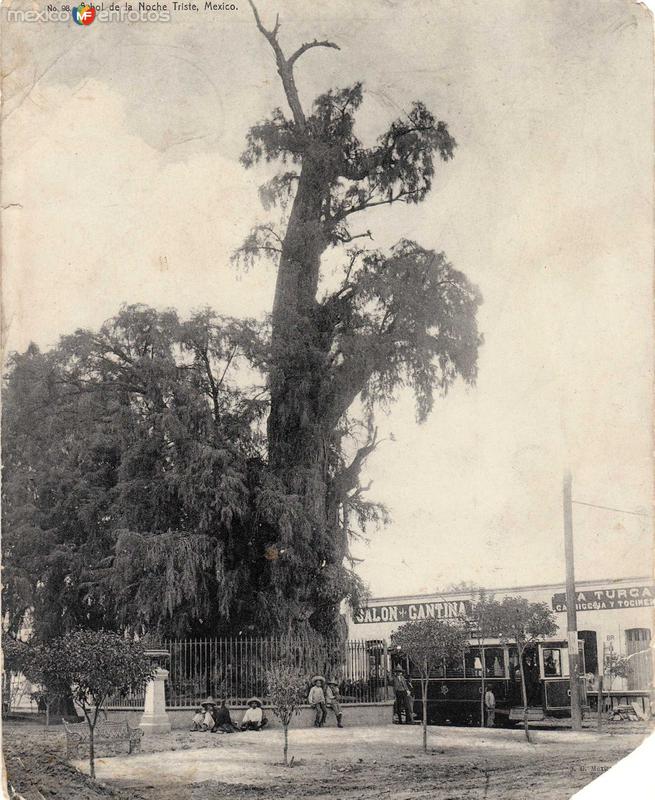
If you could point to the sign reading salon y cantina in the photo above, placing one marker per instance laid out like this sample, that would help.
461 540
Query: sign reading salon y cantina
602 599
449 609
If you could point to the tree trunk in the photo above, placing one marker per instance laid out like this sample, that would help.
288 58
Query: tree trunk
303 245
92 765
286 745
524 695
6 693
299 426
91 722
482 698
424 693
63 706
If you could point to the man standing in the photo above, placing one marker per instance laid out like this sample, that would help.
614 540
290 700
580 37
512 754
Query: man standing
332 700
317 700
403 696
490 705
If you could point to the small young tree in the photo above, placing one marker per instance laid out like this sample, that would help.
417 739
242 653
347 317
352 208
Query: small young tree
96 665
522 623
615 666
285 688
42 667
483 613
429 643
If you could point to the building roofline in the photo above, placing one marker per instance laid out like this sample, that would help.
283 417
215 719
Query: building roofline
530 587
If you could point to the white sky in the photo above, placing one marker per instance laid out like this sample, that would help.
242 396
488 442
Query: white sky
124 160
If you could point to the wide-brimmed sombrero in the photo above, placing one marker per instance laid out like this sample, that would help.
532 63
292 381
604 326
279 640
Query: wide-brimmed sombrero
333 683
399 669
208 701
318 678
255 700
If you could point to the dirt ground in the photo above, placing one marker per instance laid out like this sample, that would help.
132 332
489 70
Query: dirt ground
349 764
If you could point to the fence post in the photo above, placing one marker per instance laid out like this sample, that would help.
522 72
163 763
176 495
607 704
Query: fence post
385 668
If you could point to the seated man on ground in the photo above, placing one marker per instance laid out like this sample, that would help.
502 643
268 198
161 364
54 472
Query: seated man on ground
253 719
223 721
209 707
198 719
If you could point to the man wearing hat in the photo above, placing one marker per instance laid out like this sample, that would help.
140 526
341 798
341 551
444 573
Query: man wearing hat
402 690
198 722
316 699
332 700
209 707
253 719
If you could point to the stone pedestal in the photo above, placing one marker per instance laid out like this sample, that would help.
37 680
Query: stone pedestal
155 719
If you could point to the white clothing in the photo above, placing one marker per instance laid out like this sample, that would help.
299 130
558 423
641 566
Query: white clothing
316 695
253 715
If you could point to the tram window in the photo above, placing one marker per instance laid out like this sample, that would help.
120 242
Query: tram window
455 668
438 672
552 662
473 663
494 660
514 673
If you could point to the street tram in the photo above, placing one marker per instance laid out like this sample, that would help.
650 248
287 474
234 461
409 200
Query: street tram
455 689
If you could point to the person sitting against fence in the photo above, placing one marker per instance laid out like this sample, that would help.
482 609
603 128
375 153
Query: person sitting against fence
332 701
209 711
223 721
254 719
198 719
316 699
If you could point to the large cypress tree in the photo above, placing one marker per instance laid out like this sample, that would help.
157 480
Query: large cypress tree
149 484
403 318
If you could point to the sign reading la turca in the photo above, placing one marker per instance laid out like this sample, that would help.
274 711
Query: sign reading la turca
602 599
449 609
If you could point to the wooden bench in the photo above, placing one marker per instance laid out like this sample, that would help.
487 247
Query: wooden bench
77 734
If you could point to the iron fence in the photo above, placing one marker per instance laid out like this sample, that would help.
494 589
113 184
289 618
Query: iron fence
235 669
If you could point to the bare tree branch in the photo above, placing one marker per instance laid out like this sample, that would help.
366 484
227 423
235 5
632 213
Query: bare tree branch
308 45
284 68
401 196
347 237
348 479
285 65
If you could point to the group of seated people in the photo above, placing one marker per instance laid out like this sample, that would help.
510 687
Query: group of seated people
323 695
217 719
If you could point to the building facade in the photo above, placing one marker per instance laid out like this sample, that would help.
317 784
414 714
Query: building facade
615 622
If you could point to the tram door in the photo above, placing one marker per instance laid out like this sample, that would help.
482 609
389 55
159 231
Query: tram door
530 673
532 677
554 668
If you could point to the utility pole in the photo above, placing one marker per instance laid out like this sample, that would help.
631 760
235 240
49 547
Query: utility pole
571 615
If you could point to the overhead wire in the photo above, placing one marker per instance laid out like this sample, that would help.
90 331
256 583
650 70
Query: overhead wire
611 508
